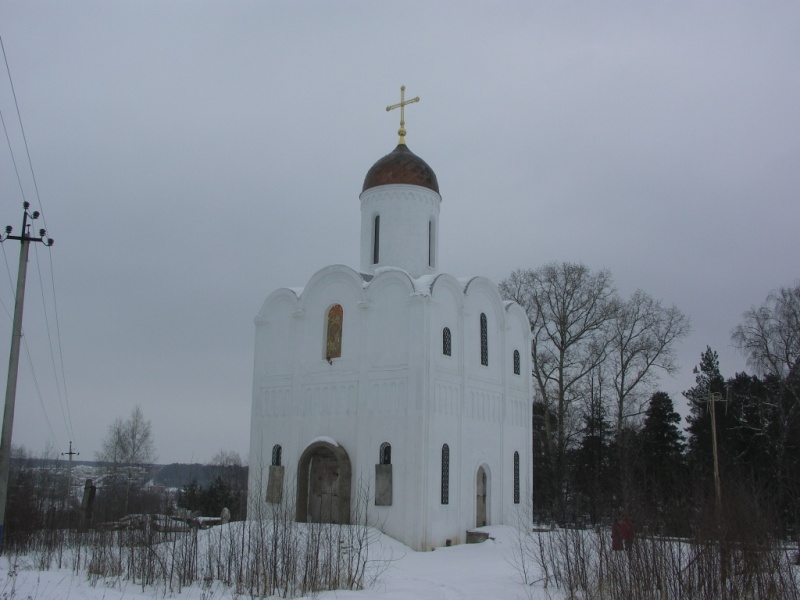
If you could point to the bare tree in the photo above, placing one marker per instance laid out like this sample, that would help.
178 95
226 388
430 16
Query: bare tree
569 308
770 334
129 442
128 449
227 458
643 335
769 337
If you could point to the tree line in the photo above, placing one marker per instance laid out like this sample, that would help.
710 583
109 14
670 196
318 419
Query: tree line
42 496
607 443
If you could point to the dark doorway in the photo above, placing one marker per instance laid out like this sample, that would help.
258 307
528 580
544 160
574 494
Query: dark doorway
482 490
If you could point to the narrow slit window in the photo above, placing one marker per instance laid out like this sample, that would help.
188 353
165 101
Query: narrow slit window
484 341
385 457
516 362
333 337
276 455
430 243
376 240
445 474
447 342
516 477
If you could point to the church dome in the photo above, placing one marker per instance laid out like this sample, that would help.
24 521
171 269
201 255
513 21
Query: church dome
401 166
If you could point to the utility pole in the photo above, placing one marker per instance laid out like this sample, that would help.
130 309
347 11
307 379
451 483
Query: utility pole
70 454
13 362
712 400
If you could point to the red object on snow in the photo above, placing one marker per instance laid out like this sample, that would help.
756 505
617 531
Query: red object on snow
628 530
616 535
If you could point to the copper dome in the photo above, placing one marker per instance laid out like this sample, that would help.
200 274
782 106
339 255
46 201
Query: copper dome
401 166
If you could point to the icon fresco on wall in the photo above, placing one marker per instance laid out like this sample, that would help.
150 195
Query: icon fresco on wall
334 343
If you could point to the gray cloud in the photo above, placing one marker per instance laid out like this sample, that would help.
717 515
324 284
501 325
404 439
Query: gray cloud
193 157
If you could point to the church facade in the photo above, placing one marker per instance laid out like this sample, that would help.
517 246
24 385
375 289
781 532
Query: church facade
395 384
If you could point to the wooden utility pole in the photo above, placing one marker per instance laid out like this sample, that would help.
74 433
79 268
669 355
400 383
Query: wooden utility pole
13 362
712 400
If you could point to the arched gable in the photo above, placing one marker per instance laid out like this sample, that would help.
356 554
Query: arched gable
518 339
480 291
328 287
444 283
389 277
278 301
447 332
516 317
484 329
386 313
332 280
274 344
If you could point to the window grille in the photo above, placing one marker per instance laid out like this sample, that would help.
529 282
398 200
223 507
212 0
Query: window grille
484 341
276 455
447 342
516 362
445 474
385 457
516 477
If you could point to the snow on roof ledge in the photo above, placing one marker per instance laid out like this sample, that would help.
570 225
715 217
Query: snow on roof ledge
380 270
324 439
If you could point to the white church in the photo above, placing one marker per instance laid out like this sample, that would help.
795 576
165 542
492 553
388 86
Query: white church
395 378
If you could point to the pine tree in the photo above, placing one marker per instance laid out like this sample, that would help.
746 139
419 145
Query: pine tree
662 462
589 466
708 380
189 496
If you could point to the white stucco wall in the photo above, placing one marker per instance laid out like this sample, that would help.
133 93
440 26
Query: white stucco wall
405 211
392 384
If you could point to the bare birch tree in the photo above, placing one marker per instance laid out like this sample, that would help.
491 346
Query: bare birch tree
569 308
770 334
769 337
643 335
127 450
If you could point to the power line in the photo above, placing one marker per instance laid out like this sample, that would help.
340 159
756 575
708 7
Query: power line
13 159
67 422
40 398
65 401
10 281
60 350
22 129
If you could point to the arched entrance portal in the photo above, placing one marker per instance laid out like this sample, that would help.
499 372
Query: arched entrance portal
481 494
323 484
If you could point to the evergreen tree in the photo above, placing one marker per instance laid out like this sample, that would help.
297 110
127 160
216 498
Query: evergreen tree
589 467
662 464
543 493
189 496
210 501
662 440
708 380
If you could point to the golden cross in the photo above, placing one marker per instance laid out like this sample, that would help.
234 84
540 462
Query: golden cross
402 105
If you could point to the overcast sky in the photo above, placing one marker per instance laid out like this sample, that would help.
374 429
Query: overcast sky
192 157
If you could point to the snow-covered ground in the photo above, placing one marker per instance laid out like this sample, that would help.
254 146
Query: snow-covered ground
469 572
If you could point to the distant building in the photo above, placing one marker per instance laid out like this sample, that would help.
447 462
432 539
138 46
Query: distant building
396 378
